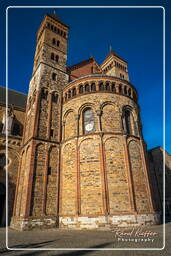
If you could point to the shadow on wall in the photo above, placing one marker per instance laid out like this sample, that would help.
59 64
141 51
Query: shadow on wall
155 157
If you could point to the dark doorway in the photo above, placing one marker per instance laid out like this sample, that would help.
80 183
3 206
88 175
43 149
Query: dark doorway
2 205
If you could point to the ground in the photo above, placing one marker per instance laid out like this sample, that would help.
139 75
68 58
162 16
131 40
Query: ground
59 238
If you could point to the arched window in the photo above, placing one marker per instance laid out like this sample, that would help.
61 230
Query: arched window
69 94
125 89
107 87
129 91
128 121
73 91
88 121
53 41
81 89
87 88
120 88
113 87
93 87
101 87
54 98
52 56
44 94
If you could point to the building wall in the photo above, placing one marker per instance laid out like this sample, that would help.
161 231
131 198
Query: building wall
14 146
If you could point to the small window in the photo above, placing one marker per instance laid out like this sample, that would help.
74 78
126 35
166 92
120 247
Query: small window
81 89
107 87
52 56
73 91
57 58
54 76
87 88
101 87
53 41
64 34
52 27
113 87
58 43
93 87
49 170
69 94
44 94
51 132
16 129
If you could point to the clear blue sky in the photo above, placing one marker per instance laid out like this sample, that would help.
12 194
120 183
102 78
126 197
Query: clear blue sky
134 34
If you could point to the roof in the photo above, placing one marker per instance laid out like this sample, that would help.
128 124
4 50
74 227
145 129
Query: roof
15 98
112 53
55 17
82 63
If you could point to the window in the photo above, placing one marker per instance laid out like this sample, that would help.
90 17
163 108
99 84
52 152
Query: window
57 58
87 88
52 56
16 129
88 121
93 87
107 87
120 88
101 87
81 89
58 43
129 91
49 170
73 91
69 94
44 94
128 122
54 98
125 89
53 41
54 76
113 87
51 132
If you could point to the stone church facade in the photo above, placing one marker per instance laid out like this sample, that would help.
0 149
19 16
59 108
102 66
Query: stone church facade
82 161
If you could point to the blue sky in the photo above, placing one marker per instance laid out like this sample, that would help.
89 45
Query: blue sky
135 34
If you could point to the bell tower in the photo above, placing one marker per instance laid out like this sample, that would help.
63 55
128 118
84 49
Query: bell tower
36 200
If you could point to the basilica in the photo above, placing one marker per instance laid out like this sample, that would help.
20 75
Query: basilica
77 158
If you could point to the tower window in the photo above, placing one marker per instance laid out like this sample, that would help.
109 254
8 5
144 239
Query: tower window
16 129
54 97
55 29
53 41
54 76
58 43
51 132
107 87
52 56
64 34
52 27
69 94
49 170
57 58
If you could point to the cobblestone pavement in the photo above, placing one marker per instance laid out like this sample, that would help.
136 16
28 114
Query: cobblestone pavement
59 238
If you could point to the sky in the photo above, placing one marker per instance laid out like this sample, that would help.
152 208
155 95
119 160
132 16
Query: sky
135 34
